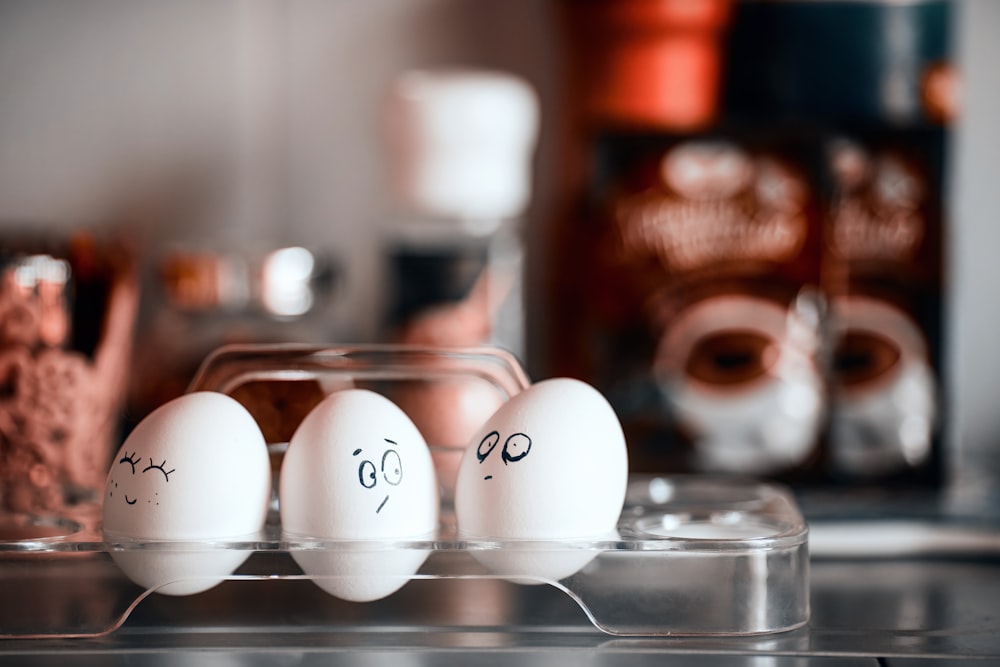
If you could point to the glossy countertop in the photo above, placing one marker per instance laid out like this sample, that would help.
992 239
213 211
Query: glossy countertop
930 608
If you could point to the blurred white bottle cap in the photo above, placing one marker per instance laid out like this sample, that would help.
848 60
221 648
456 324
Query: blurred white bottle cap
461 143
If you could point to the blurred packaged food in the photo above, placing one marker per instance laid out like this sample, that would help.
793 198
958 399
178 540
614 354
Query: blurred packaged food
699 301
750 266
875 78
882 266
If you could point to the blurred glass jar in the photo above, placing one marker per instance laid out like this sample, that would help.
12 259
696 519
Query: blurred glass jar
203 296
68 303
460 145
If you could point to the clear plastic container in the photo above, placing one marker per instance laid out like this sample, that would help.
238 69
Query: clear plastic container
694 555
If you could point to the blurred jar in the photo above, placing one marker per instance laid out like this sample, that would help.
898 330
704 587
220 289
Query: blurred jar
68 303
202 296
460 145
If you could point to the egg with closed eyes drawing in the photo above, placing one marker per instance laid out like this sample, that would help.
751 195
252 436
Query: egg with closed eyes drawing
358 476
195 470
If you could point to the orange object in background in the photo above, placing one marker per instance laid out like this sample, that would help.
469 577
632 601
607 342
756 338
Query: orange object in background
653 63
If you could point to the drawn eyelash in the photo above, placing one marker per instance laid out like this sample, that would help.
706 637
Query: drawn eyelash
161 467
130 459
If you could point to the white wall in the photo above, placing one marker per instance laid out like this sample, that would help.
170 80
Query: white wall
235 118
973 299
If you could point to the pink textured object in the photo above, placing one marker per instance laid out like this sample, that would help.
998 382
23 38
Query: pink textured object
60 406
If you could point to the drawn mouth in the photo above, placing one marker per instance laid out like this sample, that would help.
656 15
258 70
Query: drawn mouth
384 501
131 502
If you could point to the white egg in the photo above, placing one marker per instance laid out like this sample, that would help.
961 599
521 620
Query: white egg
358 469
355 573
549 465
194 469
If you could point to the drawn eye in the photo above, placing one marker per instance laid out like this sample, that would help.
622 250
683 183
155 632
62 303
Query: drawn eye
487 445
366 474
129 459
392 467
516 448
162 467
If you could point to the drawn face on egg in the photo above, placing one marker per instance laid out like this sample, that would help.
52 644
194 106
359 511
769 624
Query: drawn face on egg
515 448
383 476
551 463
132 480
357 468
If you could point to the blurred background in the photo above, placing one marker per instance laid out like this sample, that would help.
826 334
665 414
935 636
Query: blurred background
226 171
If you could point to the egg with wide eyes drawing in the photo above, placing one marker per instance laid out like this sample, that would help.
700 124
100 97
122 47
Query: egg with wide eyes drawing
194 469
550 464
358 471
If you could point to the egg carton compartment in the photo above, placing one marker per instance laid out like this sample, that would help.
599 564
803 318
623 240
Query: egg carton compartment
691 555
686 565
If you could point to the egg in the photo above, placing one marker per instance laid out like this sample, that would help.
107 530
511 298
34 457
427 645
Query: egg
550 464
357 470
195 469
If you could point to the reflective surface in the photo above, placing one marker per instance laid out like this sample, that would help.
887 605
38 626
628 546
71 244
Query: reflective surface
906 611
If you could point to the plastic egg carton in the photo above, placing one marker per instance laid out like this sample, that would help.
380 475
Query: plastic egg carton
693 555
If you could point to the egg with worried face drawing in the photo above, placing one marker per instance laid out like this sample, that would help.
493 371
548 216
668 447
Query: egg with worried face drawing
195 469
358 471
549 465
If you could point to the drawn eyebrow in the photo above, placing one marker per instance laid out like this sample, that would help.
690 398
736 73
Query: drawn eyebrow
391 442
356 452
